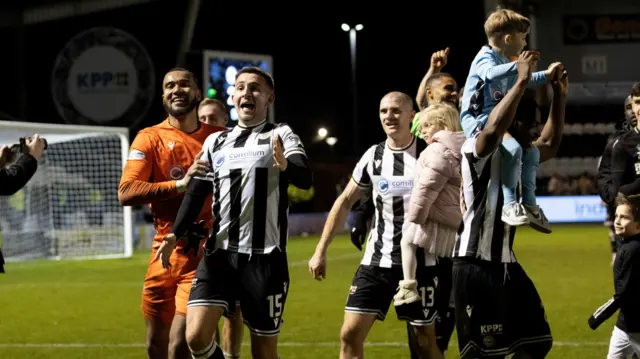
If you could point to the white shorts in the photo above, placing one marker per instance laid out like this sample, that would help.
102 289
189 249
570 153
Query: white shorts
623 344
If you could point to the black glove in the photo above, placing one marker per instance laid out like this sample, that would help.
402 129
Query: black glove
195 234
359 230
1 262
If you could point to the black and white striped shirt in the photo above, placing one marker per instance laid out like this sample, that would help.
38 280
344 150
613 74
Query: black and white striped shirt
250 201
389 174
482 233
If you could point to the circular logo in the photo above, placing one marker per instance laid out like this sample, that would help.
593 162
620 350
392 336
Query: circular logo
496 95
103 76
383 186
488 341
219 160
176 172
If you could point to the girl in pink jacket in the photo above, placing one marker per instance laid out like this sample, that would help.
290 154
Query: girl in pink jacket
434 208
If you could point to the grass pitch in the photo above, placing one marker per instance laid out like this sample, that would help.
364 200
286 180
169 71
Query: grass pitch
91 309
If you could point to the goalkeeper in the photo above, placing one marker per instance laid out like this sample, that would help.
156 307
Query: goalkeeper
16 172
625 339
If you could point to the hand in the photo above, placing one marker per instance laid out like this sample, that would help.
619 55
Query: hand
278 155
561 85
439 59
554 71
35 146
526 61
5 153
318 266
165 250
198 168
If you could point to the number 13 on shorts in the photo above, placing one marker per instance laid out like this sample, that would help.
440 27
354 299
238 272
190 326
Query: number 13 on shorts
428 296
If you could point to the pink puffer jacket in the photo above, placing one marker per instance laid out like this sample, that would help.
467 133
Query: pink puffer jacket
435 198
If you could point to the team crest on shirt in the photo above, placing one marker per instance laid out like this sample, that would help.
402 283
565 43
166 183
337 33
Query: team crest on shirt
496 95
264 136
219 160
383 186
176 172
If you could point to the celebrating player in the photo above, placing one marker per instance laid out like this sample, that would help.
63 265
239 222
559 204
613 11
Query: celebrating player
251 168
386 171
489 286
162 162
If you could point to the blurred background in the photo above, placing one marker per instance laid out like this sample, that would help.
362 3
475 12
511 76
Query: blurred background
100 63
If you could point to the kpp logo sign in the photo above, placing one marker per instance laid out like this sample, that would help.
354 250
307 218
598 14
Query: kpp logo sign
103 76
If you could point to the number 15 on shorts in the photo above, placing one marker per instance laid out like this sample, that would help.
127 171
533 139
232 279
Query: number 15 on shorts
275 308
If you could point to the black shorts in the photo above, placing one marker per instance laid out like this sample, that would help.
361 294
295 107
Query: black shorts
259 282
496 312
373 288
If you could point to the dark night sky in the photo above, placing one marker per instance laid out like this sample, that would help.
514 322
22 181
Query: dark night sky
312 76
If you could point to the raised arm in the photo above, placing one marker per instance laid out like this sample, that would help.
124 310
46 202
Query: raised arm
438 62
549 141
136 187
297 169
502 115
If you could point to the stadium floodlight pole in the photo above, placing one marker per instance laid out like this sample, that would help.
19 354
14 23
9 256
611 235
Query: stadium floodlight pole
354 87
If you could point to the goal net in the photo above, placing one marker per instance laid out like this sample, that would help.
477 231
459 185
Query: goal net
70 208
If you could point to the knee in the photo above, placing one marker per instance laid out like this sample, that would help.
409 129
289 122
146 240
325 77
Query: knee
350 336
197 340
512 147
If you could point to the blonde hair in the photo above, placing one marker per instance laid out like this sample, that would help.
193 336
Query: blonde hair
505 21
441 116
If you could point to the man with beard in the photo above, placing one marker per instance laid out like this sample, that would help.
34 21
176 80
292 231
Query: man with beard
245 258
625 157
604 172
162 161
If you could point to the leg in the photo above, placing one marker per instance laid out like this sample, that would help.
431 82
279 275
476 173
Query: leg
355 329
427 344
413 346
422 315
202 322
158 307
527 319
619 345
233 330
530 164
634 340
265 286
212 295
372 290
178 348
408 292
445 322
157 339
513 213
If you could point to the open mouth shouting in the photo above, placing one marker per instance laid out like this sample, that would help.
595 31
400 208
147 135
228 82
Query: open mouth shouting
248 107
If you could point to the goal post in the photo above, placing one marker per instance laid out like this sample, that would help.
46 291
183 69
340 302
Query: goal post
69 209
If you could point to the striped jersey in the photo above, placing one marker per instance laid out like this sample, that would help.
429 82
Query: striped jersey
482 233
389 174
250 201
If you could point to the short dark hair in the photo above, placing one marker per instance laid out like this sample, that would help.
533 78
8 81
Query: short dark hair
257 71
191 74
212 101
427 85
635 90
632 201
